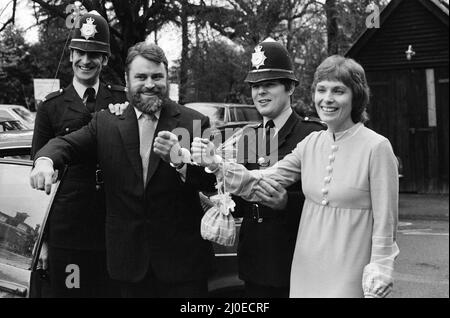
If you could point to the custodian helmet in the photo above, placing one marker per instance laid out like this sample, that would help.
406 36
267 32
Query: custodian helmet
270 61
92 35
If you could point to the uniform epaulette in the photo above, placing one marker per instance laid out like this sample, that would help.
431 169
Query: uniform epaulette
117 88
53 95
314 120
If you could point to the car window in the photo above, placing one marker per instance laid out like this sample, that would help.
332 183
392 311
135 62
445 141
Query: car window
244 114
215 113
8 125
25 114
22 214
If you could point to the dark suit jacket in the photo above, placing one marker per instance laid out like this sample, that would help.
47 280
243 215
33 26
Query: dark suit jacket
266 249
78 217
156 226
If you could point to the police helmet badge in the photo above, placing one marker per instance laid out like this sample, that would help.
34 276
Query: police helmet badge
88 30
258 57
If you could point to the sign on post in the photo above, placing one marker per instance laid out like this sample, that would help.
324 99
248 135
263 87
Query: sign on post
43 87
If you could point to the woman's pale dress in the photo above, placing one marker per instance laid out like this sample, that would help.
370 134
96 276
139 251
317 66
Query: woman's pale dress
346 243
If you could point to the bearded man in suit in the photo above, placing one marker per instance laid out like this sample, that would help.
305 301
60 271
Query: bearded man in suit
153 211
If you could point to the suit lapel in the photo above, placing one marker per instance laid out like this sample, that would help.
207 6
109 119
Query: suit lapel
129 131
167 121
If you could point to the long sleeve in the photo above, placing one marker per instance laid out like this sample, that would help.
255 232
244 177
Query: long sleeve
43 130
240 181
66 149
377 275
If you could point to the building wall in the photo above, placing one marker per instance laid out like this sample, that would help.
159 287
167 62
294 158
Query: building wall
398 110
411 23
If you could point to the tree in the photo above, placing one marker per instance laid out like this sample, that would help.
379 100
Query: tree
15 72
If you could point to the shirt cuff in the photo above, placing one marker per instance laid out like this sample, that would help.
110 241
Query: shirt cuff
376 284
43 158
182 172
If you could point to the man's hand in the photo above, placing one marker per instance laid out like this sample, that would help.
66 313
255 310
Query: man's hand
43 176
202 151
118 109
43 256
167 146
271 194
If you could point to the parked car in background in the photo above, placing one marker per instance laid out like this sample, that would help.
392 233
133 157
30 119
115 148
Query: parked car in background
16 144
17 113
226 120
23 216
227 115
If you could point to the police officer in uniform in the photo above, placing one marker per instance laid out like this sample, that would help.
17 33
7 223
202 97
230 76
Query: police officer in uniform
269 229
75 238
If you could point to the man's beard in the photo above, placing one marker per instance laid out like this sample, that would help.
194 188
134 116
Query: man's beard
152 105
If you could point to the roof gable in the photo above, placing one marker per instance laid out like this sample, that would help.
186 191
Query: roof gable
439 10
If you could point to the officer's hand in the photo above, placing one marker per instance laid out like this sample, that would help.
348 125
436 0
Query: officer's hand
43 256
43 176
118 109
203 152
166 145
271 194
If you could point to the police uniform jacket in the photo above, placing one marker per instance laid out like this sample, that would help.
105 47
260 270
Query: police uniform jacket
267 237
77 220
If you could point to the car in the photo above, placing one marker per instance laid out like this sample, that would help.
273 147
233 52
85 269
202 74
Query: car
16 143
17 113
23 223
223 116
227 121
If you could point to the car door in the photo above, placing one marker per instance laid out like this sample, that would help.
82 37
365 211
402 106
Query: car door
23 214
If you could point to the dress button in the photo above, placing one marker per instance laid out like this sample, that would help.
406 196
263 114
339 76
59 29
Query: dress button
327 179
334 148
331 158
329 168
67 129
324 202
324 191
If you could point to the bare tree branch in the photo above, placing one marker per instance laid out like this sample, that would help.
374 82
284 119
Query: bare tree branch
10 20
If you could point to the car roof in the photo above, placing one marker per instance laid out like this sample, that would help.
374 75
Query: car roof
12 106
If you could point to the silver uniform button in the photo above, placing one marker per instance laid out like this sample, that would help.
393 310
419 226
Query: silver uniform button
327 179
329 168
263 162
324 191
331 158
324 202
334 148
67 129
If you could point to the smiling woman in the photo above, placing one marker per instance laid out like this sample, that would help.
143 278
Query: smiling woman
346 241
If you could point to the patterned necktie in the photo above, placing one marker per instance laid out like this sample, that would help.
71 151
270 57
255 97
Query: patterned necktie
146 141
89 98
269 125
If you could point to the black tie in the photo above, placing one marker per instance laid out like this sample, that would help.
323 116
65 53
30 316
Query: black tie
89 97
270 124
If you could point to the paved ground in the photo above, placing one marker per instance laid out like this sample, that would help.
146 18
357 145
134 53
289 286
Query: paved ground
423 206
423 264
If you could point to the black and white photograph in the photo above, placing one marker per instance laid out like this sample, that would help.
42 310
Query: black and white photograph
234 156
